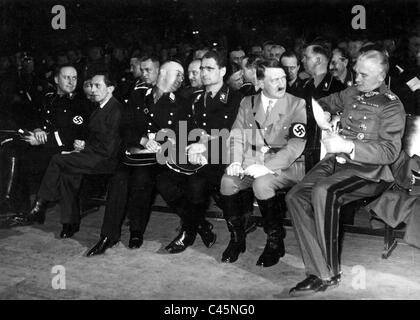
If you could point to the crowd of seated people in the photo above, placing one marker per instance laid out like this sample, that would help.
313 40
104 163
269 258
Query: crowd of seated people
100 108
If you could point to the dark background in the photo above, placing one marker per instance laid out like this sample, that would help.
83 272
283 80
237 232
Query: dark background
26 25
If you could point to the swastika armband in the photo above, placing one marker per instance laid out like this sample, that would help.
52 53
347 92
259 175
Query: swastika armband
78 120
297 130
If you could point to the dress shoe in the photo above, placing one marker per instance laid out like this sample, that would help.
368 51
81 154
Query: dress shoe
183 240
207 235
136 240
101 246
37 213
69 230
313 284
273 251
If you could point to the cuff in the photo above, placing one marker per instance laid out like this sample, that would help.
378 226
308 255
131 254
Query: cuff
57 138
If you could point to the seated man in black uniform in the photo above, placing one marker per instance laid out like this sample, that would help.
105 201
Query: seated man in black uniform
215 108
62 119
132 186
96 155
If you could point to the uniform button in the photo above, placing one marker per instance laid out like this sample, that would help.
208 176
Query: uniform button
138 108
348 128
45 127
285 128
148 130
151 114
265 129
204 114
354 106
150 123
65 110
344 137
226 117
365 117
350 117
48 111
204 124
169 122
171 114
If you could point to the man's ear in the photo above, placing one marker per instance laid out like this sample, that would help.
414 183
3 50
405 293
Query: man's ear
223 71
111 89
260 83
56 79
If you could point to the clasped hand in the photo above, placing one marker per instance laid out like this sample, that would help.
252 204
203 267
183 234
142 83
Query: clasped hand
195 153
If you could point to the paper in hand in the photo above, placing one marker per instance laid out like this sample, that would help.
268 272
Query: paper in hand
319 116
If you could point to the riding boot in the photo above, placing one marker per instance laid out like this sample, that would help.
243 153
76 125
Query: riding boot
233 216
273 227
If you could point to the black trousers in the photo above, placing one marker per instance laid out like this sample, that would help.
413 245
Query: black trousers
63 178
314 205
193 190
130 192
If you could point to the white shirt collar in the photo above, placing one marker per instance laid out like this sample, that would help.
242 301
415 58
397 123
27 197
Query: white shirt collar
265 101
105 102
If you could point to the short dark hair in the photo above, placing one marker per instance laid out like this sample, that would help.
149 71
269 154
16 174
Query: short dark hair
108 77
264 64
318 49
342 52
219 58
253 60
290 54
57 70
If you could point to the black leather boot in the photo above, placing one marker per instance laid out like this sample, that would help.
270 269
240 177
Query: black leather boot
273 227
8 200
247 202
237 243
37 213
232 211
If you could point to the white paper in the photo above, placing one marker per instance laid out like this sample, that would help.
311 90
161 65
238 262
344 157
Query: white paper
319 116
414 84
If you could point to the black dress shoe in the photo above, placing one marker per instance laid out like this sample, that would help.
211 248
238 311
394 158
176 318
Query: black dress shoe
182 241
273 251
101 246
313 284
37 213
69 230
207 235
136 240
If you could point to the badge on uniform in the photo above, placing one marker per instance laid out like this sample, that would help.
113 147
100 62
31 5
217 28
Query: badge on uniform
298 130
391 96
78 120
172 97
360 136
224 96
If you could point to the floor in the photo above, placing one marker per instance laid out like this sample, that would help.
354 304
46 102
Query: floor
34 262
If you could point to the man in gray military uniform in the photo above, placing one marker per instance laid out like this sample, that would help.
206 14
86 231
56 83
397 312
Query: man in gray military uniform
356 166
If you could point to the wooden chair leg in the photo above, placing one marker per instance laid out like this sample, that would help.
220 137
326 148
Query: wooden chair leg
390 242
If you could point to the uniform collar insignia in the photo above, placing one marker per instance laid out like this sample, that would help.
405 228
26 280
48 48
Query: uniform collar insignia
149 91
391 96
224 96
172 97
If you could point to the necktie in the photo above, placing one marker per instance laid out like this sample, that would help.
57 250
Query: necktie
269 108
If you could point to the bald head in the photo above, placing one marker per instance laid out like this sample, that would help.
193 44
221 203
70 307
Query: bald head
171 76
194 73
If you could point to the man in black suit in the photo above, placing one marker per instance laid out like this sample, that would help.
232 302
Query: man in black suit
291 66
131 188
320 84
96 155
